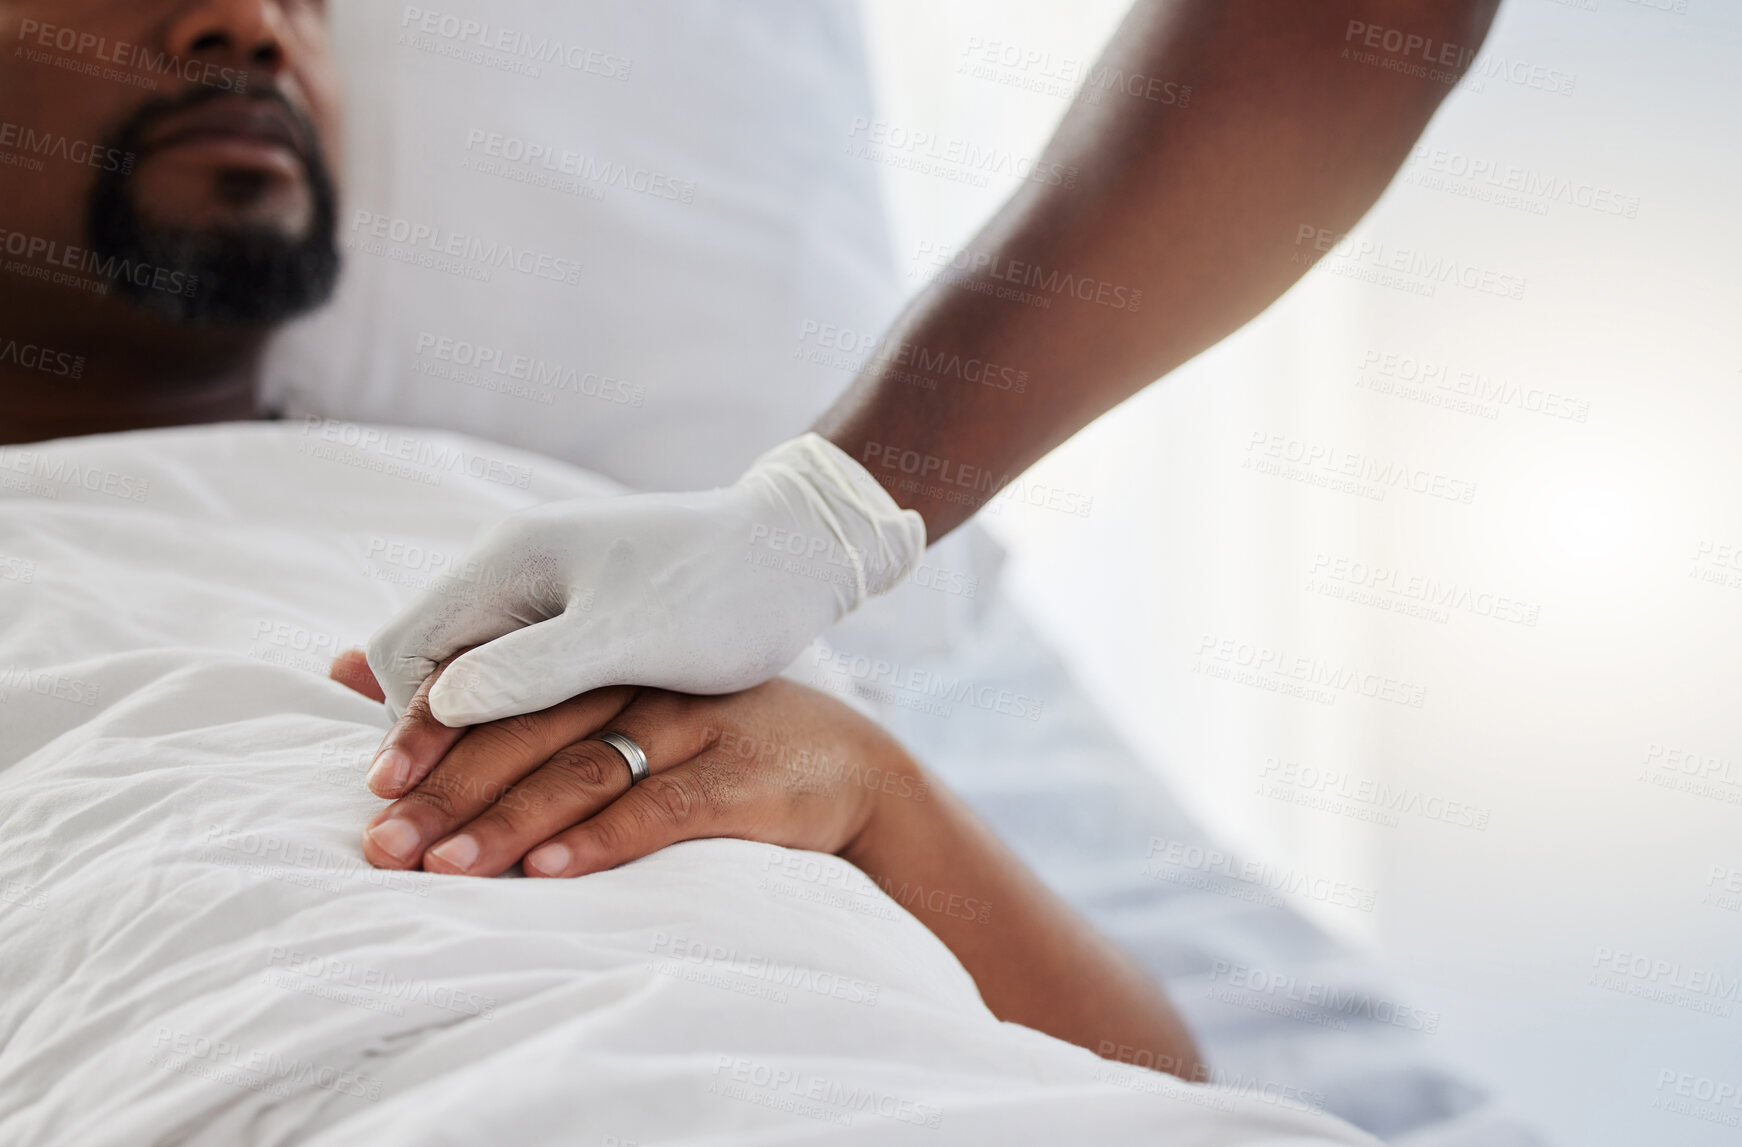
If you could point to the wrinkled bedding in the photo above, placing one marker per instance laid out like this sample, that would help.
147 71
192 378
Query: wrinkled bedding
194 951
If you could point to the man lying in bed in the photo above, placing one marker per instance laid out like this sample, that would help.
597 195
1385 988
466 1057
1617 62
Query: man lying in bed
154 268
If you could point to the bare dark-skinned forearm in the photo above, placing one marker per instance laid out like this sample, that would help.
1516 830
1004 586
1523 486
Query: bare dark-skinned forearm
1036 961
1198 207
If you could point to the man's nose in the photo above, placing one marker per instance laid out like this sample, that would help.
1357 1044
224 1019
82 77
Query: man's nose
248 35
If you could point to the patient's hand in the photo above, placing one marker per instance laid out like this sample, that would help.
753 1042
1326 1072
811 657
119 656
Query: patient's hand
778 763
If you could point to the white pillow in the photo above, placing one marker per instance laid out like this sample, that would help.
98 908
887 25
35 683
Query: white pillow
636 297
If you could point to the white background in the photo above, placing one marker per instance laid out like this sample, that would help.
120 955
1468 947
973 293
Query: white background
1596 524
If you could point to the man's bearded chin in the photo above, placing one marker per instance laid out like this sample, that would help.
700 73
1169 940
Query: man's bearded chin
248 275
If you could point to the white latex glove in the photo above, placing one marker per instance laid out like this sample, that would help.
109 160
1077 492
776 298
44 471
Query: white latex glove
705 592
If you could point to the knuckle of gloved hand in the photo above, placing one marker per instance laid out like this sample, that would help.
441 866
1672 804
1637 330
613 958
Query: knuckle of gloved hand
506 544
538 526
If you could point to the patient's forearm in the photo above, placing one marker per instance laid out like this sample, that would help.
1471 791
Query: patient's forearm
1199 208
750 765
1036 961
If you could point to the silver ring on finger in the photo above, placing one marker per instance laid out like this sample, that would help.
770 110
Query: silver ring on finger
631 754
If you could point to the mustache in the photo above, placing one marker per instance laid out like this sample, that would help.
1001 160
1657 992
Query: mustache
130 136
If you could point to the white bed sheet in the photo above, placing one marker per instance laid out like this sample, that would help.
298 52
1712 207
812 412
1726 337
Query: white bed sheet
194 951
1342 1032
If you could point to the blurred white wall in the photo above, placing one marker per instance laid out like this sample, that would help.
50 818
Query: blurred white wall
1571 784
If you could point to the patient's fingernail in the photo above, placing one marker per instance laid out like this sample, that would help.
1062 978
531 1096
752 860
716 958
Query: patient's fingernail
459 852
388 773
395 837
550 860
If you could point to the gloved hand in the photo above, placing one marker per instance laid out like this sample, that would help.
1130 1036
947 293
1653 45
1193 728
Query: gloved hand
707 592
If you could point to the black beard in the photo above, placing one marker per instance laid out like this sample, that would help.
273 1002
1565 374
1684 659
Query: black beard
241 276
